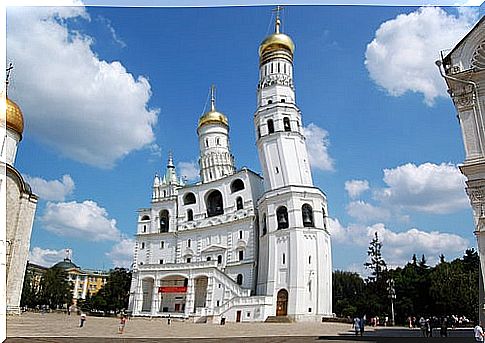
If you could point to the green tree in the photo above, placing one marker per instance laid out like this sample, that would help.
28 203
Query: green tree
376 264
348 293
114 295
55 290
29 291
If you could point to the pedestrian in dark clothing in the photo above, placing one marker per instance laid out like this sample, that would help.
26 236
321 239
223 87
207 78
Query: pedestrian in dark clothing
444 328
362 325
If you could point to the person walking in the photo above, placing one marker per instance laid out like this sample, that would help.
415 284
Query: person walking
356 325
478 332
444 327
422 325
121 328
362 325
82 319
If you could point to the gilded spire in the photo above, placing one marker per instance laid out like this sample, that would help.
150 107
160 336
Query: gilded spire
277 20
213 98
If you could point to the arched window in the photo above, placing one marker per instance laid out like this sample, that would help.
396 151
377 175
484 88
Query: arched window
190 215
259 132
214 204
145 217
189 199
219 259
207 142
270 102
270 126
144 228
286 124
218 141
237 185
239 279
164 220
307 215
265 228
282 100
188 243
208 258
282 217
241 255
239 203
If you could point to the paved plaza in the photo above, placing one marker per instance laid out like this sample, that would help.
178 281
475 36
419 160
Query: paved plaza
58 327
62 325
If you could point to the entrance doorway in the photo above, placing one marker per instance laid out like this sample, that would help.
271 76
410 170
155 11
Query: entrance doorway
238 316
282 303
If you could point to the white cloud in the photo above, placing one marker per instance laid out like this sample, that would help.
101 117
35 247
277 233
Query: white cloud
46 257
356 187
90 110
401 56
398 247
84 220
427 188
122 253
317 144
189 170
366 212
54 190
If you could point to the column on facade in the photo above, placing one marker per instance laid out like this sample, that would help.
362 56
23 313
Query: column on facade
156 296
190 296
85 287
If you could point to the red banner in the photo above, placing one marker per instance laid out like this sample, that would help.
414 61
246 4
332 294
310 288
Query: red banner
172 289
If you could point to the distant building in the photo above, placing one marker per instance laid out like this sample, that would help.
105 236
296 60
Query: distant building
84 281
20 209
464 72
237 246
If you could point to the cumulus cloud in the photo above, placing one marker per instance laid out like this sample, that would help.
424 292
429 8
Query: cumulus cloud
426 188
356 187
398 247
84 220
401 56
366 212
90 110
46 257
189 170
121 253
317 144
53 190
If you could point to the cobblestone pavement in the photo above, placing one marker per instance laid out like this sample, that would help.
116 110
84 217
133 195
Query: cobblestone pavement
61 325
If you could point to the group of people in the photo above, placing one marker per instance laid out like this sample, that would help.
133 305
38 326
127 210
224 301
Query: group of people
427 325
358 325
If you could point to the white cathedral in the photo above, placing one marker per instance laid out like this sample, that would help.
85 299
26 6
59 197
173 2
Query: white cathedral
234 245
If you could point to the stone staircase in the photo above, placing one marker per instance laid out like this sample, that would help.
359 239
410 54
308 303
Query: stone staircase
278 319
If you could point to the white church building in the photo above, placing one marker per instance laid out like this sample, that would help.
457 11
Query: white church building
235 245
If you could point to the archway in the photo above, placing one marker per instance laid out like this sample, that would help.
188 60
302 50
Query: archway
174 292
282 303
214 204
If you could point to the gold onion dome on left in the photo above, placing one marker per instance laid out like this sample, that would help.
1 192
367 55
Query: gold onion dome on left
213 116
14 117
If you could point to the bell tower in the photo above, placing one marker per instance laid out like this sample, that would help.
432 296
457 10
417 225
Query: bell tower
294 251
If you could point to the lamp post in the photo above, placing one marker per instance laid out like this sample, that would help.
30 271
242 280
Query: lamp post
392 296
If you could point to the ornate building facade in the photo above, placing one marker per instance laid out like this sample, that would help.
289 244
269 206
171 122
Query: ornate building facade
235 245
21 204
464 71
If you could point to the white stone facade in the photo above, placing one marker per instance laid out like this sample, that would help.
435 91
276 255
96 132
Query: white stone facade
235 245
464 71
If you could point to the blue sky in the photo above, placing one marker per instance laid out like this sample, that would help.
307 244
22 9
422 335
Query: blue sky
107 92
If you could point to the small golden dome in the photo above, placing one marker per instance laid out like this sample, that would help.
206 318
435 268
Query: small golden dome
277 41
213 116
15 119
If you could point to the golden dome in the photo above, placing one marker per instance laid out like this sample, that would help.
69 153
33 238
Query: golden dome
213 116
15 119
276 41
